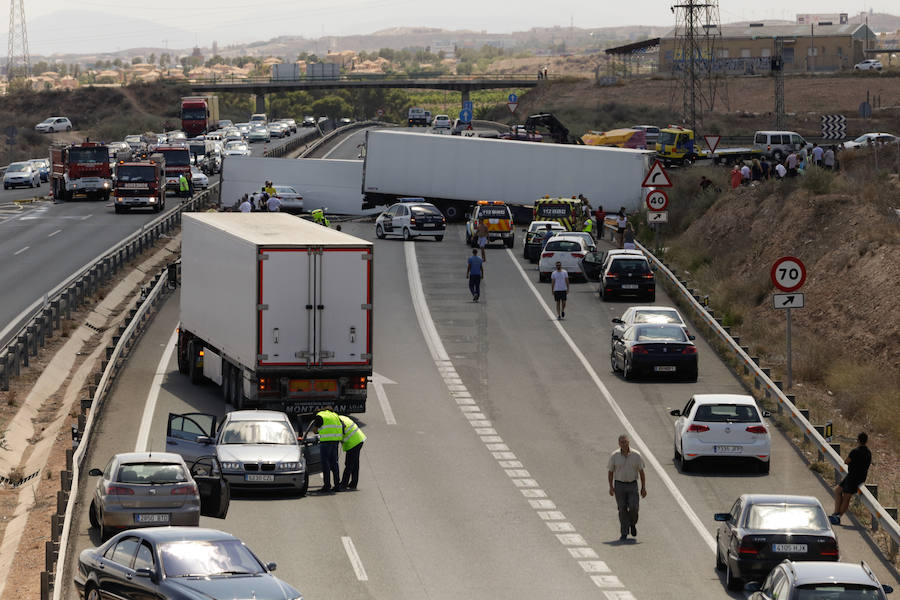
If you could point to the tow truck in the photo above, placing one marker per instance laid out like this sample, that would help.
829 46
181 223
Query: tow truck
676 146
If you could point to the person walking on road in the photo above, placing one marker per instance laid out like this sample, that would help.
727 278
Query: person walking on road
625 466
621 222
858 463
560 280
184 186
481 233
475 273
327 424
628 238
352 443
273 204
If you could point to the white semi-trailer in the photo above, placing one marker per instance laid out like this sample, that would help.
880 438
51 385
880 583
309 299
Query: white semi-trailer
454 172
277 311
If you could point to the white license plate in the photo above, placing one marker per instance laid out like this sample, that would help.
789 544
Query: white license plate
666 369
259 477
629 286
427 225
152 518
726 449
788 547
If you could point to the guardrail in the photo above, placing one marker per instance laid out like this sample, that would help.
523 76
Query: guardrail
885 518
296 141
29 331
333 134
57 548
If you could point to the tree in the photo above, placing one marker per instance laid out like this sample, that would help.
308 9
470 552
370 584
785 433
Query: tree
136 60
152 58
164 59
332 105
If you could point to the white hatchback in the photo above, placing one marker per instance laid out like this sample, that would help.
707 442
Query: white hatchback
441 122
724 426
569 251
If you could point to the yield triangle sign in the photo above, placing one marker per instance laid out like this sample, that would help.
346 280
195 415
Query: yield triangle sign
712 142
657 177
512 106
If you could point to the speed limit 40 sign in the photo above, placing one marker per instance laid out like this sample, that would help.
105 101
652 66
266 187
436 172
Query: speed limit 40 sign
788 274
657 200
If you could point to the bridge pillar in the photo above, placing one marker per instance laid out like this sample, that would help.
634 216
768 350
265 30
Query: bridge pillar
260 102
465 96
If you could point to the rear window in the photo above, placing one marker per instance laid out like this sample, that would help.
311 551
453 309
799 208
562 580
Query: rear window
629 265
660 333
493 212
780 517
837 591
727 413
760 138
563 246
656 316
158 473
424 209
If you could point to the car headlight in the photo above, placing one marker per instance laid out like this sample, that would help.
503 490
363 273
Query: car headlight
231 466
289 466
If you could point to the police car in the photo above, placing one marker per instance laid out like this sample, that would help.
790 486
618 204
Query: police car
410 218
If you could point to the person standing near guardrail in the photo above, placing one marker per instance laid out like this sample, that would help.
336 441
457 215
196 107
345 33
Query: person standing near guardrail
621 222
858 463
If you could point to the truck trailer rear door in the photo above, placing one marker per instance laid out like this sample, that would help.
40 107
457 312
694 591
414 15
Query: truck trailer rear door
344 295
286 306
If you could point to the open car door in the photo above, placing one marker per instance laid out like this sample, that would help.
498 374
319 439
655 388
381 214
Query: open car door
312 453
215 493
592 263
191 435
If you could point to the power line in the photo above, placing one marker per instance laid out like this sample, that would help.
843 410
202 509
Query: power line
17 33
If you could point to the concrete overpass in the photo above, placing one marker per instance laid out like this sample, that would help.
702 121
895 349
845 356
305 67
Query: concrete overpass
260 86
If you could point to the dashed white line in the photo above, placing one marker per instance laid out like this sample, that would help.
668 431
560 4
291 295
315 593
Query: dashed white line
54 233
20 251
86 217
355 561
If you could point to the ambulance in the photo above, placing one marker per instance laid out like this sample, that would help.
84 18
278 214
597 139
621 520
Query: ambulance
568 212
499 223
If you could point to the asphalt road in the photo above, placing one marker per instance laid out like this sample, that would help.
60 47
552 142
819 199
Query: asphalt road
492 481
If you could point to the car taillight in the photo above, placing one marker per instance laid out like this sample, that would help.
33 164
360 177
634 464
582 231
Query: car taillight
747 547
185 490
639 350
412 220
612 275
698 428
647 275
120 490
546 254
689 350
577 255
757 429
829 548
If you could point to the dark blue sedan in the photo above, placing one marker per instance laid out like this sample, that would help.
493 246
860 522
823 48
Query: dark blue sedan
657 348
177 563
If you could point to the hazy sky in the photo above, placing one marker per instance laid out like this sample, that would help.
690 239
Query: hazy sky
185 23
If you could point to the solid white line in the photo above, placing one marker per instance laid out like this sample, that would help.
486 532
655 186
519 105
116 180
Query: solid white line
389 418
423 314
341 143
18 252
629 428
153 395
350 549
55 232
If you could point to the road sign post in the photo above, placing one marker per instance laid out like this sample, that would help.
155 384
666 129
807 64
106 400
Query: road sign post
788 275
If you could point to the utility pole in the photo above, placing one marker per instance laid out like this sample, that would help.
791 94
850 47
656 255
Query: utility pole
18 36
778 73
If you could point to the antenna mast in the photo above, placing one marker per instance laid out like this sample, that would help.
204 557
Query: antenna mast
696 62
18 36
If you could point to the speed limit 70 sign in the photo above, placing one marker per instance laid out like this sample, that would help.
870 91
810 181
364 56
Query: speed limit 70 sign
788 274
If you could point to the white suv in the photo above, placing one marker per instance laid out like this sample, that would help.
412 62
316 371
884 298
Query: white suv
410 218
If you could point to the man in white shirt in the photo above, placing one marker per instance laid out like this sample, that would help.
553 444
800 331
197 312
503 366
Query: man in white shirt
779 168
273 204
817 153
245 206
560 283
745 175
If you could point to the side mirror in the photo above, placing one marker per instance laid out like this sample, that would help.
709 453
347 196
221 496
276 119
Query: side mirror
675 413
95 472
204 439
753 586
767 414
723 517
692 337
887 589
618 321
271 566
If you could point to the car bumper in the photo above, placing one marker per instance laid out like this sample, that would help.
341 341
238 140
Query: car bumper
620 289
126 518
17 182
758 570
693 449
547 265
136 201
439 230
293 479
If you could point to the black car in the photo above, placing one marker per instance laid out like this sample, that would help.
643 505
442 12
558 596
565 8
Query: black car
656 348
627 273
762 530
811 580
536 236
177 563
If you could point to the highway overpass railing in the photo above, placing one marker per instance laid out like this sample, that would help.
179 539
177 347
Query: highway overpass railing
381 77
29 331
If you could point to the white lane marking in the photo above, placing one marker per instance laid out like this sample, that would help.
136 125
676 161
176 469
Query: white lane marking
86 217
537 498
54 233
18 252
153 395
378 382
629 428
355 561
341 143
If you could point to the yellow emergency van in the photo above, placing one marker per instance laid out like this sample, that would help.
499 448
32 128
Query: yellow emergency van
499 223
569 212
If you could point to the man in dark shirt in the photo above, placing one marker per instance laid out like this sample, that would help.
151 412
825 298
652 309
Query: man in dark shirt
857 470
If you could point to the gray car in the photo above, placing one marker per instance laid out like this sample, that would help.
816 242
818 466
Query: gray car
291 200
820 581
258 449
147 489
21 174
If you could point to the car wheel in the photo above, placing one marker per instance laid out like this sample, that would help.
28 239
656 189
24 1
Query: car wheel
764 466
92 515
731 582
439 238
651 297
301 491
720 564
105 533
691 376
119 209
379 232
627 369
5 187
686 465
510 242
407 235
92 593
777 156
543 277
612 362
68 128
51 130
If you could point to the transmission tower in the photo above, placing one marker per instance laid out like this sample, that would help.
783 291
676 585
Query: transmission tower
18 37
697 40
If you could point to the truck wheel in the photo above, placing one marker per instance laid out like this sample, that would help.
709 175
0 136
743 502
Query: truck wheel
180 350
301 491
226 382
453 212
439 238
237 389
157 207
510 242
119 209
195 371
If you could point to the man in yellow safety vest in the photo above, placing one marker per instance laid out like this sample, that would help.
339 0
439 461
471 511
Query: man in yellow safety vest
184 186
328 425
352 442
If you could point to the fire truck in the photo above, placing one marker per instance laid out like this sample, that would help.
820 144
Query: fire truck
178 161
140 184
80 169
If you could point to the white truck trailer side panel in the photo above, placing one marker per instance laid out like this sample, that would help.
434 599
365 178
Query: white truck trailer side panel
460 168
324 183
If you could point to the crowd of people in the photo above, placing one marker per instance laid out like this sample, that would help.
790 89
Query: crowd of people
796 163
265 200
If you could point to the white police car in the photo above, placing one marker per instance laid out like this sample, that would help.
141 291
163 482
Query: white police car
410 218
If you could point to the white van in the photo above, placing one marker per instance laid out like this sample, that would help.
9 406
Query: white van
259 119
778 144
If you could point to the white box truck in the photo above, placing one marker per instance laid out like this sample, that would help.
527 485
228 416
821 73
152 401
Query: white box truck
277 311
454 172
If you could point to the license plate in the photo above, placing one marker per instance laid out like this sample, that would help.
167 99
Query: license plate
788 547
427 225
152 518
666 369
259 477
726 449
629 286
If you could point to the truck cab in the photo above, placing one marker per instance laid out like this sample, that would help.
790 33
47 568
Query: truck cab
80 169
140 185
177 161
417 117
676 145
499 223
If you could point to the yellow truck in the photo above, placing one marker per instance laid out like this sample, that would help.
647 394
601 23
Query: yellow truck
616 138
569 212
676 146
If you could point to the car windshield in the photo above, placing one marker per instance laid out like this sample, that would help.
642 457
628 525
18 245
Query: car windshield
837 591
656 316
19 166
493 212
862 139
151 472
563 246
198 148
257 432
135 174
625 265
660 333
727 413
193 113
207 558
235 146
425 210
781 517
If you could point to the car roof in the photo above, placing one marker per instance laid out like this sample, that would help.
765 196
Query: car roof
551 223
807 572
741 399
159 457
177 534
775 131
256 415
780 499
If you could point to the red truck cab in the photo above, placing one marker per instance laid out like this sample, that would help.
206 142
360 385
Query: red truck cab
178 161
199 114
80 169
140 184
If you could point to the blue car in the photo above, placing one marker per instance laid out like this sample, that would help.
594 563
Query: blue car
42 166
177 563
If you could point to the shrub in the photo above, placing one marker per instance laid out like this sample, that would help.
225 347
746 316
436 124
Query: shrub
817 181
